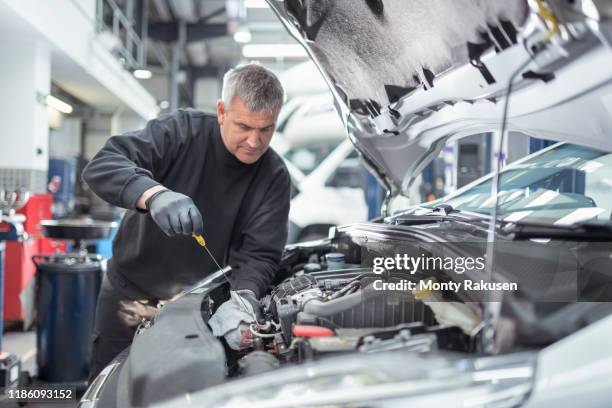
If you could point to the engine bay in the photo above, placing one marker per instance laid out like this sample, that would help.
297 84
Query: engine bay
323 308
323 304
319 311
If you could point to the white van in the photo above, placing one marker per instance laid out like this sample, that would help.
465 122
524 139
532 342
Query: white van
324 167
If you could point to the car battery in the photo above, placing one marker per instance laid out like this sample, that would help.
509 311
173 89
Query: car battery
19 268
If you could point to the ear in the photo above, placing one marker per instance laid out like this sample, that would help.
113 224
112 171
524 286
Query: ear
220 111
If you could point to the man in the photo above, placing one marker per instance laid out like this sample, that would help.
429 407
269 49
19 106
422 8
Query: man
191 172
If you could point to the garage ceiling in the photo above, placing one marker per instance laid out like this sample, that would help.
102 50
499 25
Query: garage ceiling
211 47
252 16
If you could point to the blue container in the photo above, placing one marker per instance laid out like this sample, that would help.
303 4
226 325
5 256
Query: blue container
67 292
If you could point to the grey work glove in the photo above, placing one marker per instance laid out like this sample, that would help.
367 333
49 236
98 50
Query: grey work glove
232 320
175 213
249 296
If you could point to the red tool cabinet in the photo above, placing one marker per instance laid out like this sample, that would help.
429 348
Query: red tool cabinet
19 269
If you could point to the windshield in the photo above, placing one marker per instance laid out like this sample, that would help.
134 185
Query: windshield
564 185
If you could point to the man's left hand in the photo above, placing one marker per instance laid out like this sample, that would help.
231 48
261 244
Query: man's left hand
233 318
248 295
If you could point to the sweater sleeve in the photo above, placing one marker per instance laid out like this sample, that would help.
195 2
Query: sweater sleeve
255 261
131 163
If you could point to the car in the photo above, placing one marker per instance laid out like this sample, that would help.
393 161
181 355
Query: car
321 196
311 129
498 295
323 165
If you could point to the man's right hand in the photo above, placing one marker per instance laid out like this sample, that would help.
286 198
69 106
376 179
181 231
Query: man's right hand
175 213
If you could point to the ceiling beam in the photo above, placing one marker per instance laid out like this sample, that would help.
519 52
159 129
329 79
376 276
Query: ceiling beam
203 31
168 32
200 71
205 71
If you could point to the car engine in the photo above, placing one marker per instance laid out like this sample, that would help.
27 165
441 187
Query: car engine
318 312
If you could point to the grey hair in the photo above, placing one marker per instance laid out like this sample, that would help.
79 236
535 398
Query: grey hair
259 88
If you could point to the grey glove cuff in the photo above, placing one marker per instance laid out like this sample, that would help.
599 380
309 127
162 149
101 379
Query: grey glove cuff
153 196
249 296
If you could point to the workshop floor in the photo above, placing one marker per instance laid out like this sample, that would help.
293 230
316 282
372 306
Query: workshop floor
23 344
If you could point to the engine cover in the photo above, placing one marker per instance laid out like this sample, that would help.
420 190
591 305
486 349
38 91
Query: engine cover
307 300
364 309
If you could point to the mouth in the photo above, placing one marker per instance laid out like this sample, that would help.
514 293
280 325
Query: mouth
250 152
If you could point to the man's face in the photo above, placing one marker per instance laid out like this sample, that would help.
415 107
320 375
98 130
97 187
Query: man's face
246 134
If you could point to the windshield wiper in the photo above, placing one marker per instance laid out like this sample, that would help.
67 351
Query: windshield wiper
438 213
594 230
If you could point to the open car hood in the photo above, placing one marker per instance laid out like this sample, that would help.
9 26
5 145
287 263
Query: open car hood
408 77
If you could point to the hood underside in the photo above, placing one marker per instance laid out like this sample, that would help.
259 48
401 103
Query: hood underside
409 76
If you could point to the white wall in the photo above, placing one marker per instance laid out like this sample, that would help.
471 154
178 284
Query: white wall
68 28
65 142
25 73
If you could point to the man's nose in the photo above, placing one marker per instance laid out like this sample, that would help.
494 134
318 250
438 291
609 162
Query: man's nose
253 141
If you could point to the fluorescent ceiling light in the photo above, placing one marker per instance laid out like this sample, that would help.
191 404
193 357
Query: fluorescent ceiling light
273 51
242 36
59 105
143 74
255 4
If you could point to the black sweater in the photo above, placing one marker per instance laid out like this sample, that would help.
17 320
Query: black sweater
244 206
